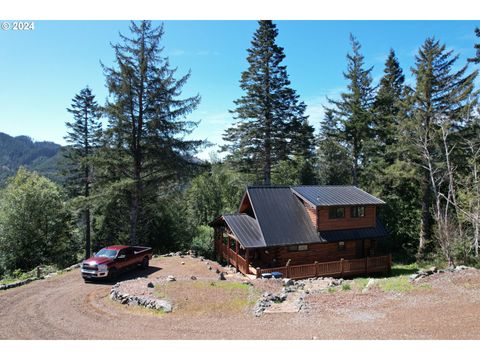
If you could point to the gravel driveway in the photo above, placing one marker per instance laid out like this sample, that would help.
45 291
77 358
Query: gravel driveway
64 307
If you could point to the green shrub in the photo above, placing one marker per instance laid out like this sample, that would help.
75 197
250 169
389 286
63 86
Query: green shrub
202 243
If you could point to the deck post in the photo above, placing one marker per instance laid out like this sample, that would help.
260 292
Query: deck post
247 260
258 272
341 267
236 255
316 268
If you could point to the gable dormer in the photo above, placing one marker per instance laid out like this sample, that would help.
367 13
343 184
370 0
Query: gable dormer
338 207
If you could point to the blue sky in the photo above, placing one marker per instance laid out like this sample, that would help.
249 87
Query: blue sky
41 70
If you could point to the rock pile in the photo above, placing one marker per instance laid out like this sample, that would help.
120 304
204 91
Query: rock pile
433 270
145 301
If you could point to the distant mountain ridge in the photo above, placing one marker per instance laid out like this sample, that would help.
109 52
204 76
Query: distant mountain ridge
40 156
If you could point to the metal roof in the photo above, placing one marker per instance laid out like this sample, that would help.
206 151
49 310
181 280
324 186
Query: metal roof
246 230
281 217
335 195
354 234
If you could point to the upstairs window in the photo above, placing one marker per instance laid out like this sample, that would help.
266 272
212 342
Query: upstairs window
357 211
298 248
336 213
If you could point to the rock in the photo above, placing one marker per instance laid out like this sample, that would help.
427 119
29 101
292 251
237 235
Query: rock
207 263
222 276
183 262
201 258
171 278
433 269
370 283
217 271
178 253
150 285
282 297
209 268
193 277
413 277
461 267
288 282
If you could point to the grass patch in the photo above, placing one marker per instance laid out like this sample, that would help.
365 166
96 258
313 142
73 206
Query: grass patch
346 287
360 283
200 297
404 269
332 290
400 284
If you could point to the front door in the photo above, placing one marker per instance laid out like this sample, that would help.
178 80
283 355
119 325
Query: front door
360 253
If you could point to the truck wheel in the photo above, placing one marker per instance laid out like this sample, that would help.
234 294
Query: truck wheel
113 274
145 262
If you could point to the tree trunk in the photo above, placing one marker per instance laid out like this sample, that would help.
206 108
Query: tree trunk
425 219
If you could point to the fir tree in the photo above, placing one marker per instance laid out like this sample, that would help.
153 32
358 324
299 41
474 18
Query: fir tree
386 109
146 150
271 123
352 113
83 137
334 164
476 59
442 97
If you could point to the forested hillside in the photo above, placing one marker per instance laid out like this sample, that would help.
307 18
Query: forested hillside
41 156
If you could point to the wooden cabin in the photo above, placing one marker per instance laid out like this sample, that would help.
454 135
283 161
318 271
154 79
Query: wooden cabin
303 231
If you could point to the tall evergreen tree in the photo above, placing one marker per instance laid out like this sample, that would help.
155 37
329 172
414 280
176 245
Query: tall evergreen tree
442 97
476 59
146 146
271 122
334 164
386 110
352 113
83 137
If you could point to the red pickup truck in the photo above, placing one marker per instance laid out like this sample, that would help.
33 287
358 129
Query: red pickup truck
109 261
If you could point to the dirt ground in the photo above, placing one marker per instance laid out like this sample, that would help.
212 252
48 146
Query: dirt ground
64 307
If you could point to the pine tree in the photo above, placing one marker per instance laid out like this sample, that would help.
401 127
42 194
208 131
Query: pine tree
83 137
441 99
334 162
386 109
352 113
271 123
476 59
146 149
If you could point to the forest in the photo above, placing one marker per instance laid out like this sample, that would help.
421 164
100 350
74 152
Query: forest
130 175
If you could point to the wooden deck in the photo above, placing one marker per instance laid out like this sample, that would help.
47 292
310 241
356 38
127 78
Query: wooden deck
341 268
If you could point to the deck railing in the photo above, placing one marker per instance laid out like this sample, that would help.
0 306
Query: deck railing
339 268
334 268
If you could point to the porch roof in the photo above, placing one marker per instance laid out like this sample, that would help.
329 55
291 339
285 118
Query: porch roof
246 230
354 234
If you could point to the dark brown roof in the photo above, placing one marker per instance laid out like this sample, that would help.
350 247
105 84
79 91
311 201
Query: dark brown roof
281 217
335 195
246 230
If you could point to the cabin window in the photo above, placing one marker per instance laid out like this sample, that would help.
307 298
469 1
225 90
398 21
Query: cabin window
336 213
298 248
357 211
341 246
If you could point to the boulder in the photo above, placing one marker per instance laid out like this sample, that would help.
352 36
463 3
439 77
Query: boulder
150 285
217 271
222 276
288 282
171 278
193 277
183 262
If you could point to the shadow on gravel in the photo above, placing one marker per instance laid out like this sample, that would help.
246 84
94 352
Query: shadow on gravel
129 275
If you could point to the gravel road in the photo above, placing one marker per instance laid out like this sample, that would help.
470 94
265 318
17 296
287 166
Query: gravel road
64 307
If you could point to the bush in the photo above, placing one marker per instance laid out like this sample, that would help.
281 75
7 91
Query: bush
203 242
35 227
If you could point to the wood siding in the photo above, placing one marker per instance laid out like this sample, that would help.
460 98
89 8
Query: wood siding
324 223
278 256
